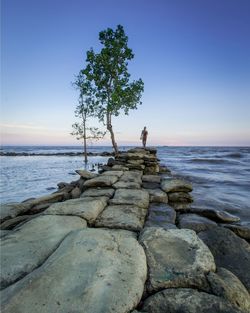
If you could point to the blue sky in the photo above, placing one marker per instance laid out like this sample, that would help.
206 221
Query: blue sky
193 56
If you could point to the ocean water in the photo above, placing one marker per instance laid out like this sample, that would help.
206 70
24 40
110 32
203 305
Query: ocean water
220 175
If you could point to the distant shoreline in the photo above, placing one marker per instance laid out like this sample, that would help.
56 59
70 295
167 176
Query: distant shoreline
105 153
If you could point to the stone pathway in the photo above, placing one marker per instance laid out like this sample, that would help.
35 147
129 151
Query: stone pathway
122 241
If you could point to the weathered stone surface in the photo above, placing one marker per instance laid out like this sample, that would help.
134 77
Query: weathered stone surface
242 230
229 251
132 176
195 222
75 193
225 284
98 192
180 197
161 215
136 162
176 258
157 195
181 207
11 210
138 167
28 246
149 185
219 216
88 208
128 217
176 185
85 174
151 178
127 185
11 223
92 271
101 181
140 150
131 196
113 173
185 300
4 232
118 167
151 169
52 198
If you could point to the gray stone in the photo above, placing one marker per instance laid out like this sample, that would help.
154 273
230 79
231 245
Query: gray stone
101 181
92 271
88 208
118 167
11 210
136 162
132 176
128 217
229 251
185 300
149 185
138 167
4 232
219 216
52 198
98 192
86 174
161 215
75 193
151 178
127 185
132 197
176 258
180 197
151 169
11 223
113 173
176 185
157 195
195 222
225 284
181 207
242 230
29 246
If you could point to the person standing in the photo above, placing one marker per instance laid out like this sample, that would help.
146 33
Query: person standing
144 135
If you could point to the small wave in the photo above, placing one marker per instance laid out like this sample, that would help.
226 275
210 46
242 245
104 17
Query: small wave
211 161
235 155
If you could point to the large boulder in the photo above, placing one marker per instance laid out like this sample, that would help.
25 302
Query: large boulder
101 181
113 173
185 300
128 217
127 185
132 176
98 192
11 210
136 197
176 258
160 215
229 251
242 230
175 185
225 284
86 174
88 208
195 222
92 271
179 197
27 247
157 195
151 178
218 216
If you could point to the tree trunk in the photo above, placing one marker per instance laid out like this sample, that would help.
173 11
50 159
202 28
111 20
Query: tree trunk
85 143
112 135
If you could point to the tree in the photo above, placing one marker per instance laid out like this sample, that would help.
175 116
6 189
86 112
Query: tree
108 77
84 110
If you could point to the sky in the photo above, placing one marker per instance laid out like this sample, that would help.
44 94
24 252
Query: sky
193 56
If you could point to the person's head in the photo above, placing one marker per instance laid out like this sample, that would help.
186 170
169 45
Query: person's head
145 127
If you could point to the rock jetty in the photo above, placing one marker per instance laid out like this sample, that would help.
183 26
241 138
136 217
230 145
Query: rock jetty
125 240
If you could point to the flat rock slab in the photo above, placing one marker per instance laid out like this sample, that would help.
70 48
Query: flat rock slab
195 222
151 178
161 215
127 185
225 284
27 247
86 174
113 173
98 192
180 197
8 211
132 176
136 197
241 230
92 271
176 185
149 185
219 216
118 167
101 181
185 300
176 258
229 251
157 195
88 208
127 217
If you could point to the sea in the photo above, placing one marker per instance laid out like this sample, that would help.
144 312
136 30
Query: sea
220 175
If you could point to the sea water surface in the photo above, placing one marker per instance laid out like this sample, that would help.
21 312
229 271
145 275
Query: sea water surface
220 175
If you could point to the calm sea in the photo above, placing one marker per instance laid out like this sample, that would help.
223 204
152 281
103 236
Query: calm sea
220 175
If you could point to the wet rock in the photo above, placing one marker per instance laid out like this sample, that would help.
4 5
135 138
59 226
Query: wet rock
111 162
98 192
129 217
28 246
242 230
164 169
88 208
157 195
149 185
151 178
176 258
92 271
132 197
179 197
75 193
219 216
86 174
101 181
225 284
195 222
176 185
38 208
161 215
151 169
184 300
181 207
229 251
127 185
